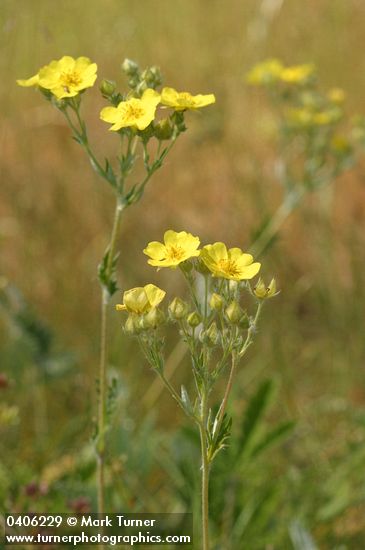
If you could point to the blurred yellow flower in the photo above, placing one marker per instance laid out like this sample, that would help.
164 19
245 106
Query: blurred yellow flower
229 263
336 95
65 77
140 300
266 72
177 248
262 291
134 113
340 144
297 74
184 100
306 117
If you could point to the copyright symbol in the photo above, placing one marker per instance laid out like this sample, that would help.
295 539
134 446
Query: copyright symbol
72 522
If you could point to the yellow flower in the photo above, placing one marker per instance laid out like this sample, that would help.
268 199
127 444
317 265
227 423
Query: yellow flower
140 300
134 113
336 95
183 100
177 248
305 117
329 116
229 263
262 291
297 74
65 77
266 72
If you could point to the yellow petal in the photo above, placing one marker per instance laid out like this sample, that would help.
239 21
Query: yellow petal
32 81
169 96
204 100
155 250
171 237
83 63
60 92
135 300
154 294
109 114
250 271
151 96
66 63
217 251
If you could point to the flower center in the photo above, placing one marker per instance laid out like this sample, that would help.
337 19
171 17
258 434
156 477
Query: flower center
175 252
68 80
229 267
185 99
133 112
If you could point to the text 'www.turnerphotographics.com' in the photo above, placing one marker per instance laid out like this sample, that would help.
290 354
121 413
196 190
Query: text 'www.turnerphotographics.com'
94 529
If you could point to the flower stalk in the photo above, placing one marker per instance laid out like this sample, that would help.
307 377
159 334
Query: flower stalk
133 115
215 328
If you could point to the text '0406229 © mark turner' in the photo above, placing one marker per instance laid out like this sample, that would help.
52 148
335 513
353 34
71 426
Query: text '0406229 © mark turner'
89 521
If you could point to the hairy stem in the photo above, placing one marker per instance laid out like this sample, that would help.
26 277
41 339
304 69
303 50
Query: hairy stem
105 298
205 471
235 357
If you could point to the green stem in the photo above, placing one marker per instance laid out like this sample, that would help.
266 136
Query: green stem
277 220
205 471
248 342
223 406
105 298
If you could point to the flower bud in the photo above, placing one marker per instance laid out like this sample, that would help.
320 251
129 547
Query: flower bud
262 292
244 322
163 129
216 301
154 318
178 119
234 312
194 319
212 334
178 309
141 87
130 67
232 285
130 326
152 76
107 87
133 82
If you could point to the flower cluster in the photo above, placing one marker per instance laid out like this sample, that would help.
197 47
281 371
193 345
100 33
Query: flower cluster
133 115
311 125
217 323
68 77
273 71
226 272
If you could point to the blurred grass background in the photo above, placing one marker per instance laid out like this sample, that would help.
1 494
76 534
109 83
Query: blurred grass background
219 182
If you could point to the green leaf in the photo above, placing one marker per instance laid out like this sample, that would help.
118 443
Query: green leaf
252 421
274 437
107 275
186 401
218 441
300 537
110 173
